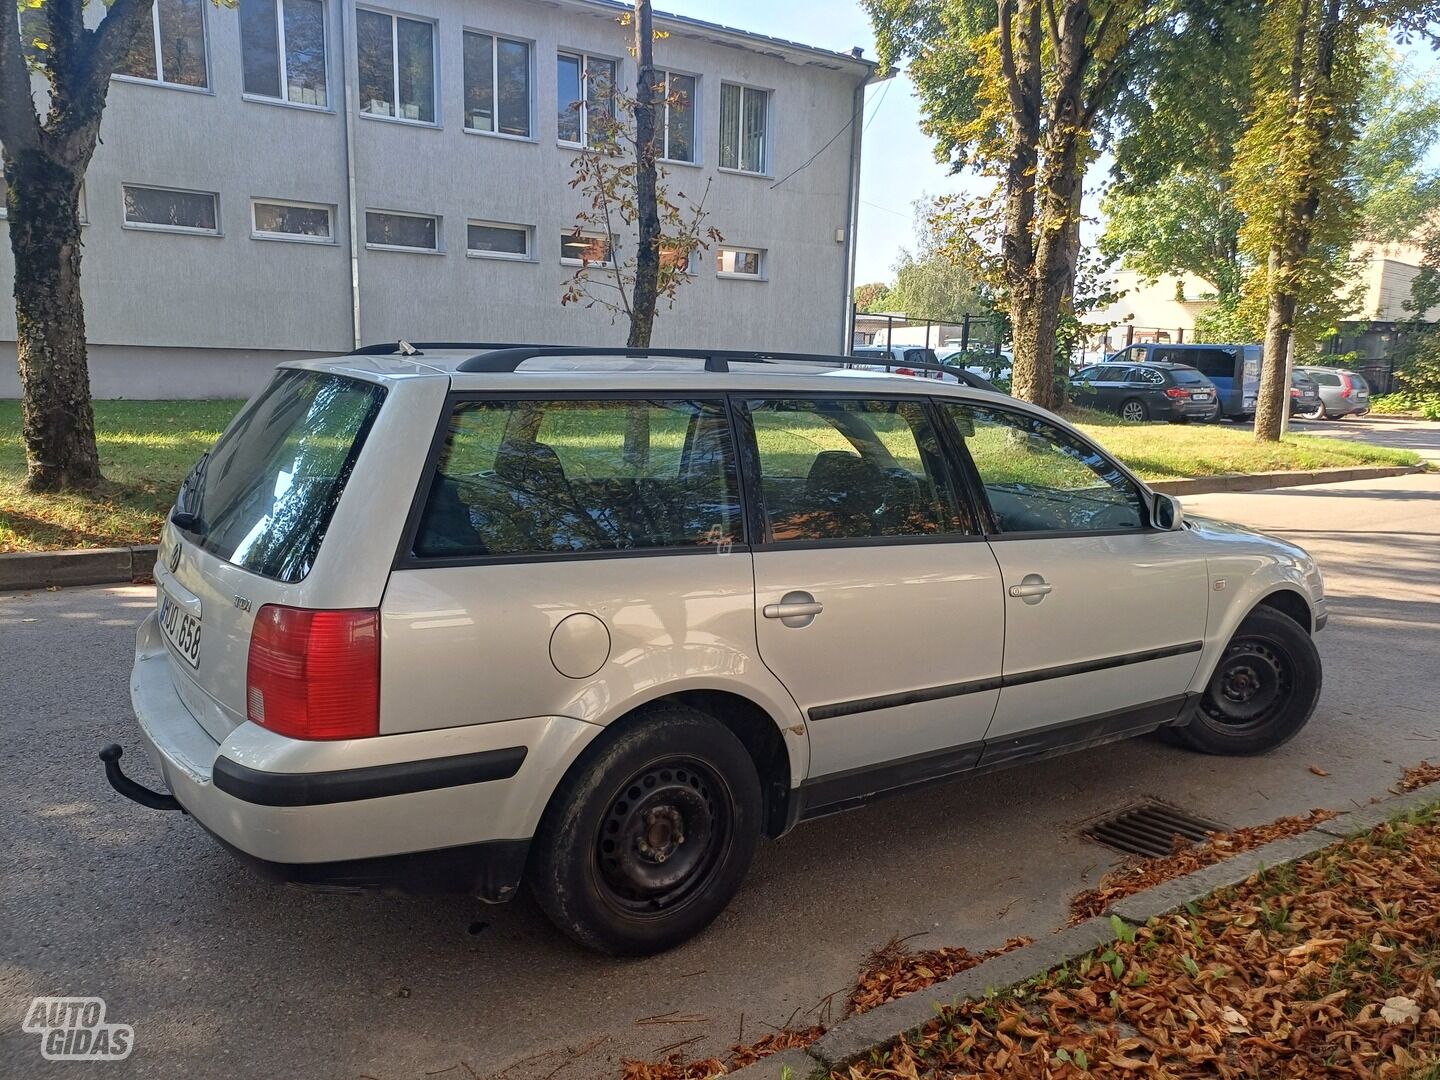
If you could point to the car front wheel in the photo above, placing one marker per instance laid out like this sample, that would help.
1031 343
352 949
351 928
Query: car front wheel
1262 691
648 838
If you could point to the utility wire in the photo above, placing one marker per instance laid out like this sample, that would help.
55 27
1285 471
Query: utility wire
843 128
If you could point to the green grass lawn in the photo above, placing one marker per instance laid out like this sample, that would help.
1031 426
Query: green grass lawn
146 447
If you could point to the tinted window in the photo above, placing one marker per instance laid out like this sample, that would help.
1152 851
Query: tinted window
1149 376
266 493
1041 479
837 469
1324 378
1187 377
528 477
1109 373
1216 363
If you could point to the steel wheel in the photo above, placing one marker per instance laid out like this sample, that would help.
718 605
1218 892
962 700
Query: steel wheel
662 836
1252 684
1134 411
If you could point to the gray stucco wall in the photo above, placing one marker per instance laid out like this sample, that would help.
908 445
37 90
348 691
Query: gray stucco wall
190 315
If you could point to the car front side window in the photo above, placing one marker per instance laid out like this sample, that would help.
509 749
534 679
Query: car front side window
1039 478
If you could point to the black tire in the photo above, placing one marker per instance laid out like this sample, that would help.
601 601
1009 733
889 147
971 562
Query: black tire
598 862
1262 691
1140 411
1317 413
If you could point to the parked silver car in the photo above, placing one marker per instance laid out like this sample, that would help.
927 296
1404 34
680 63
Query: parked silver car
1342 393
599 620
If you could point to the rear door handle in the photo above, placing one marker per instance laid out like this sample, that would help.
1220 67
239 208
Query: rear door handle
1032 589
795 609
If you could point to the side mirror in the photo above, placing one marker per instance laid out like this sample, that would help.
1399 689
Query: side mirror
1167 512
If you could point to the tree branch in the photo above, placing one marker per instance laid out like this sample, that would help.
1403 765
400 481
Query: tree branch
1007 55
1054 25
19 123
109 42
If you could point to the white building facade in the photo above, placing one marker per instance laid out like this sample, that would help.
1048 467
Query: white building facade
286 178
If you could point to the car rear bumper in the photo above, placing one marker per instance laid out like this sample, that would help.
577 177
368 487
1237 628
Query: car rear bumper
453 807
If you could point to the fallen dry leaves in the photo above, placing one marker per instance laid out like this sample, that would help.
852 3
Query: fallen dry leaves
1418 776
1142 874
675 1067
893 970
1325 968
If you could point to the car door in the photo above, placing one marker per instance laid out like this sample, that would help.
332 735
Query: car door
1104 615
878 603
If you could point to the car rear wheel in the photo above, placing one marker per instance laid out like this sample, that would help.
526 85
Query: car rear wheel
1134 410
1317 413
1262 691
648 838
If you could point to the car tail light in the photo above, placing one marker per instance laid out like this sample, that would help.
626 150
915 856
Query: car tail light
1176 392
315 674
1346 386
1294 391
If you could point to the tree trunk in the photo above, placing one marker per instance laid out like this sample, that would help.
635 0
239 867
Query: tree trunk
1274 394
647 254
57 419
1021 53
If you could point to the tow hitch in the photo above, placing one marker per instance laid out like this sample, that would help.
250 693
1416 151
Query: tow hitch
155 800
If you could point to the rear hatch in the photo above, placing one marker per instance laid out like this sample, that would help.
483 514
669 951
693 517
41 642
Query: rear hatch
248 526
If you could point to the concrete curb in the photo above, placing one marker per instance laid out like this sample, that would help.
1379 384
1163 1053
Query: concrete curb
1207 485
858 1036
81 566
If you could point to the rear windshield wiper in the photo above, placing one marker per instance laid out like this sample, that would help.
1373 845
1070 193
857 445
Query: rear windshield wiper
184 516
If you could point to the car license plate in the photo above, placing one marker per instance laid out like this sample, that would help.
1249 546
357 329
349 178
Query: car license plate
1201 395
181 629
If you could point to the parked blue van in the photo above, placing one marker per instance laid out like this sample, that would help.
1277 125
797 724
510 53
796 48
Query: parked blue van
1234 369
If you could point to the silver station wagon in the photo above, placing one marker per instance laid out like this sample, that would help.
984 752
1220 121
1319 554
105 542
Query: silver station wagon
597 620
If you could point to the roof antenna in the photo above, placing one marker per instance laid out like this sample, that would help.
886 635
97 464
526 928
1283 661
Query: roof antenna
406 349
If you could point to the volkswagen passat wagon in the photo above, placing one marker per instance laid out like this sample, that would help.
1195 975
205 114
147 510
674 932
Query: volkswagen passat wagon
597 621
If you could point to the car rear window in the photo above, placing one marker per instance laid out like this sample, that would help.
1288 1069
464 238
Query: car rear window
530 477
1188 377
265 495
1324 378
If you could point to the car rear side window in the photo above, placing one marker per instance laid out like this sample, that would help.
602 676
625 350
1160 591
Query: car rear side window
265 495
840 469
1215 363
1039 478
530 477
1188 377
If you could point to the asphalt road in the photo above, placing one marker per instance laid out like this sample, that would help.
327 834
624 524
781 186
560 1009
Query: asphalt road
223 974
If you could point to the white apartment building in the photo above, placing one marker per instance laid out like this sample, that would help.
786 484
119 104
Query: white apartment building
286 178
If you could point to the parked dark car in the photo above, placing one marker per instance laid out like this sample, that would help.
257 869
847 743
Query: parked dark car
1304 395
1174 392
1342 393
1234 369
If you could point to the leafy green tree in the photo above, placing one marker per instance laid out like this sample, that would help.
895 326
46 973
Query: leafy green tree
872 296
1186 223
45 154
936 286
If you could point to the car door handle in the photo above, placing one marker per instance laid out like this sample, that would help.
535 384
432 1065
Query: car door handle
796 609
792 611
1031 588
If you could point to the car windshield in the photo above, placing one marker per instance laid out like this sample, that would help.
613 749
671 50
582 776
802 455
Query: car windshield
263 498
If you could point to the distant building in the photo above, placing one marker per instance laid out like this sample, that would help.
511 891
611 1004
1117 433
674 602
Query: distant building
285 178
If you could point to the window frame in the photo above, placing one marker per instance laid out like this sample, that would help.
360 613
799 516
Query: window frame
257 233
767 142
495 38
438 249
178 230
503 256
758 519
762 257
586 58
436 79
608 264
265 99
406 559
696 115
159 79
959 455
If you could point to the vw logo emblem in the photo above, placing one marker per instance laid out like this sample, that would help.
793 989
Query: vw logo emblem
174 558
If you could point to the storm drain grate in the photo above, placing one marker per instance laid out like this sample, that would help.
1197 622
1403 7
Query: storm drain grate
1149 829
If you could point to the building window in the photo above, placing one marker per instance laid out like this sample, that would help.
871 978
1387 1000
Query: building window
740 262
309 222
497 85
172 49
678 130
585 95
494 240
586 249
397 66
282 50
402 232
744 120
171 210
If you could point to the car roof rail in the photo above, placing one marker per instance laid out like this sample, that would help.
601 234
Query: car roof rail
508 358
413 348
